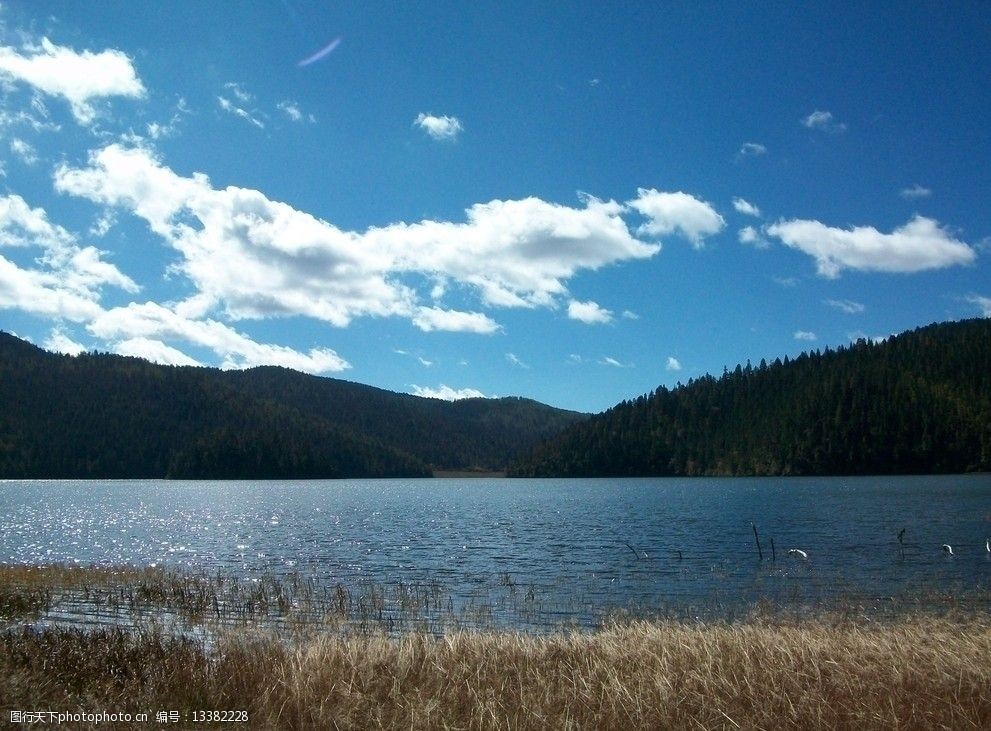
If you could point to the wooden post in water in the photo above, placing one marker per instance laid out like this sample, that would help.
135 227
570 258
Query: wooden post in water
773 555
901 543
760 553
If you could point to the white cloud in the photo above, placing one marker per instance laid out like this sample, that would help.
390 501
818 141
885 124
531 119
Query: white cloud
154 350
984 303
258 258
750 235
103 223
588 312
804 335
673 364
752 149
676 212
919 245
446 393
824 122
746 208
440 128
848 306
21 225
156 322
575 358
786 281
69 278
59 342
228 106
630 315
915 192
41 293
24 151
429 319
78 77
607 361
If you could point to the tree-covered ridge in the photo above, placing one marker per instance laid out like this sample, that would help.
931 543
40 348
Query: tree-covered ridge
919 402
100 415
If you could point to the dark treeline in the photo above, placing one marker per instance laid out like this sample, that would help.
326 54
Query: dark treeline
916 403
101 415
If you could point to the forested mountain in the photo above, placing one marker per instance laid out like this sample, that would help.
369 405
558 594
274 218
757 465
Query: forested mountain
916 403
100 415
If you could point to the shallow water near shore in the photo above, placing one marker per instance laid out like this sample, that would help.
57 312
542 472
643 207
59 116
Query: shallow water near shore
533 553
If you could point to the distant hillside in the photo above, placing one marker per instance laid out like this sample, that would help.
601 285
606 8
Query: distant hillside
100 415
916 403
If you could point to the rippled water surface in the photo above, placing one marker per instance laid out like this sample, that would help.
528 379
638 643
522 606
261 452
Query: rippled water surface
573 545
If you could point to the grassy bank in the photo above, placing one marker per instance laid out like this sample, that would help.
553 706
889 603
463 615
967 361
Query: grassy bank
923 673
296 656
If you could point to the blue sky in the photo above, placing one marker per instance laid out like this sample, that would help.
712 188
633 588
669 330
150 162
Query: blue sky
574 203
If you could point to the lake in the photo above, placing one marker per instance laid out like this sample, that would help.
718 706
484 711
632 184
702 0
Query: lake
569 549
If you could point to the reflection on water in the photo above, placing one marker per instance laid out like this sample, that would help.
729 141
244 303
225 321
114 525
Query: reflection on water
573 548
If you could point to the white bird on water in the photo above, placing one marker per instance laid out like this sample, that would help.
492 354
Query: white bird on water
948 548
987 545
797 552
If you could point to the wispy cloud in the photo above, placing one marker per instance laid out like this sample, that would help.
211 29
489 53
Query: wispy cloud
23 151
848 306
514 359
915 192
162 130
239 92
805 335
294 112
228 106
823 122
673 364
440 128
751 149
613 363
983 303
79 77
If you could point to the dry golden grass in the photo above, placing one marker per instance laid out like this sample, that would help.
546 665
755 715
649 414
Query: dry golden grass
913 673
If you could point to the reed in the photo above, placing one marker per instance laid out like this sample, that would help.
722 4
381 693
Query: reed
916 672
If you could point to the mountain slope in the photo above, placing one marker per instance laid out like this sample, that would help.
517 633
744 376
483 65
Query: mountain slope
99 415
480 433
918 402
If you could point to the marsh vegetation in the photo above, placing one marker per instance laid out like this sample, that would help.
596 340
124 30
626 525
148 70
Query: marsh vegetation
296 657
